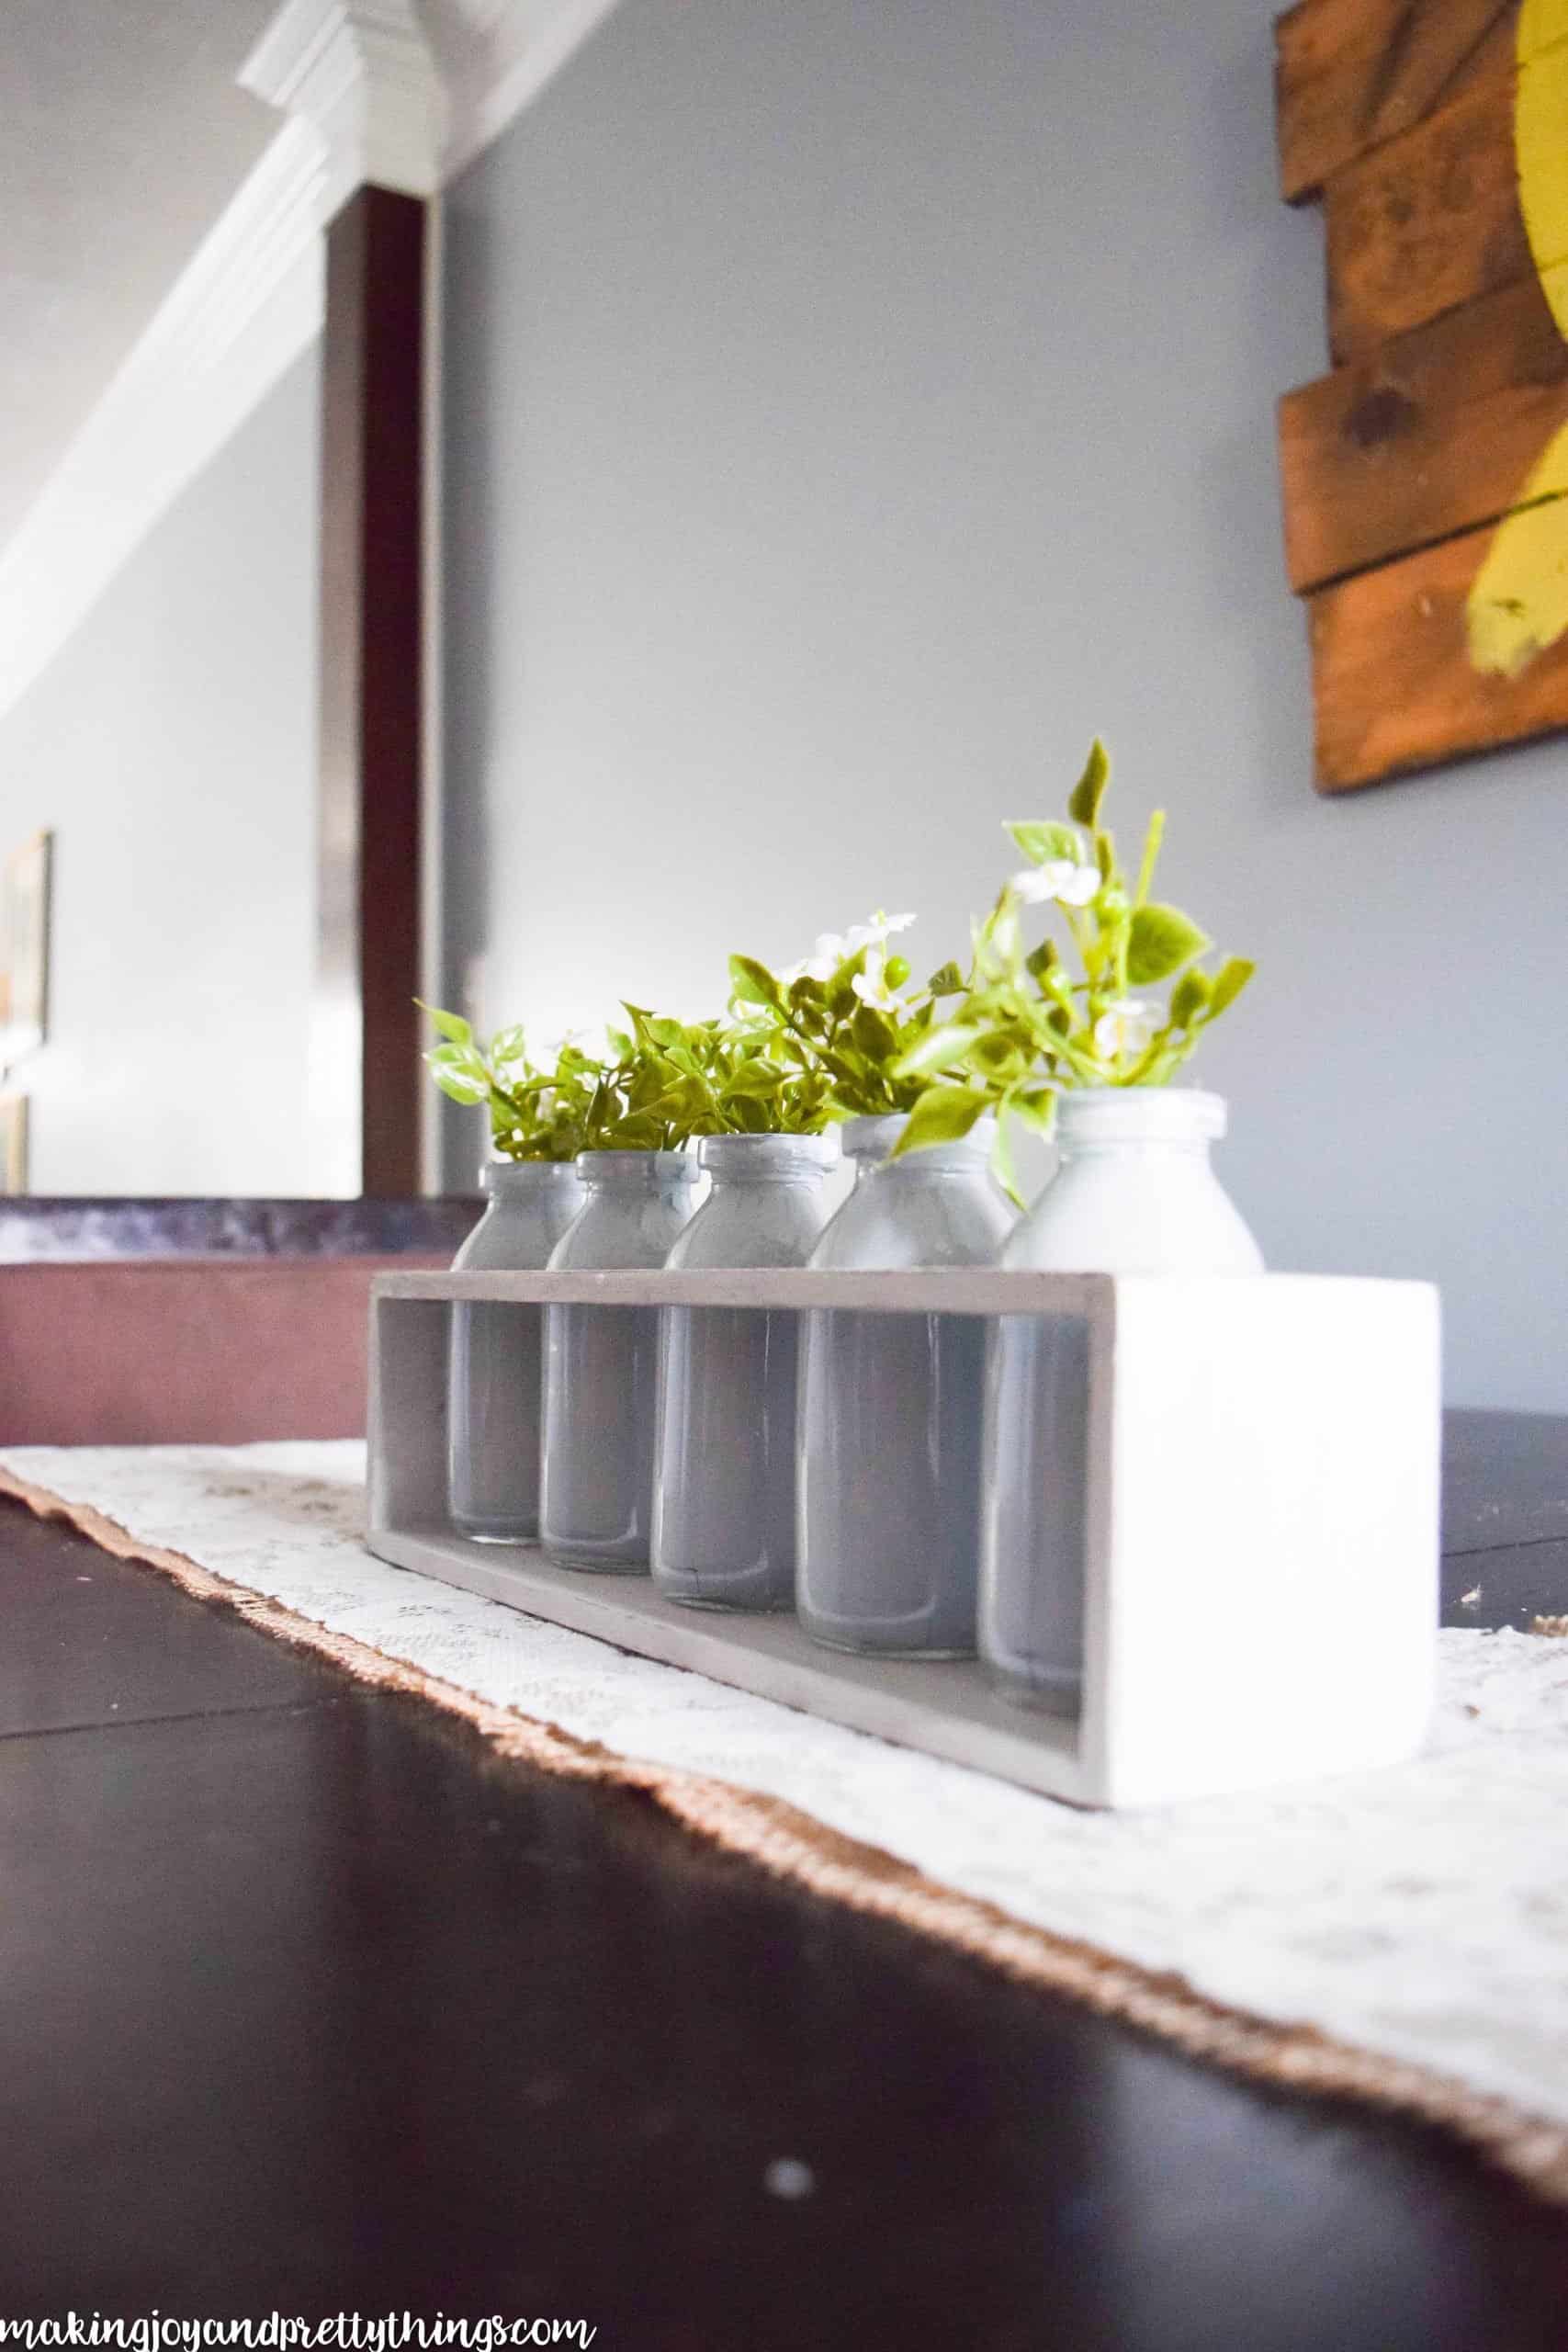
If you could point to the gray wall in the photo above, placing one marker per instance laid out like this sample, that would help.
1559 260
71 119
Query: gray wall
852 407
171 747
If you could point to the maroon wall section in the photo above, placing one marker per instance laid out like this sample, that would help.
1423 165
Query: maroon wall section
195 1351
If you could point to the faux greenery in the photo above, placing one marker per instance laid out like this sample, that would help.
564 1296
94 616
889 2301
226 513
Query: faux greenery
1031 1023
667 1083
848 1016
679 1080
534 1114
844 1034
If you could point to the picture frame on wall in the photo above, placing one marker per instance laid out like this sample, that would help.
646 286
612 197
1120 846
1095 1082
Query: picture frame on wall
13 1143
24 948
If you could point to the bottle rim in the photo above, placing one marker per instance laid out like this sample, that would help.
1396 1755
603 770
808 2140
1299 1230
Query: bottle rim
598 1169
1139 1114
757 1158
500 1176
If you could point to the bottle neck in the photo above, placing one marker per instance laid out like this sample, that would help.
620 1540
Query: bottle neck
1136 1120
868 1142
635 1171
768 1159
872 1151
508 1180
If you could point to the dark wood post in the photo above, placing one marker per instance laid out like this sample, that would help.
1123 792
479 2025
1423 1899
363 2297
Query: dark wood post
371 685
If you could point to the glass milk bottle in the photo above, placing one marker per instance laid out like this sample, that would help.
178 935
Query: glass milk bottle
493 1362
888 1435
1134 1194
602 1363
724 1485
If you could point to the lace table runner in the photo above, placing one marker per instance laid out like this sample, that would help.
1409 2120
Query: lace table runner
1398 1937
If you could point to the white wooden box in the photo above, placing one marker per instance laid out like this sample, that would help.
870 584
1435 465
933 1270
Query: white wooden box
1262 1525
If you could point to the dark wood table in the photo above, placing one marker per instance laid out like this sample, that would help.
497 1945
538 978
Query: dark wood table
309 2003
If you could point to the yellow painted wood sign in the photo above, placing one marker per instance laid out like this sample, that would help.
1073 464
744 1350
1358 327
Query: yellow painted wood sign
1426 478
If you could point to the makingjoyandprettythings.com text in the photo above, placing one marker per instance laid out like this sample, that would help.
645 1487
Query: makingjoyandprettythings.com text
156 2331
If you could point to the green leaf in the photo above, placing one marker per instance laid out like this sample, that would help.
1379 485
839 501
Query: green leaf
1229 981
942 1115
752 982
841 989
1040 843
1045 959
948 981
1003 1167
460 1088
997 1058
874 1033
448 1025
1189 997
1090 789
507 1046
936 1049
1152 841
1036 1106
1161 940
758 1079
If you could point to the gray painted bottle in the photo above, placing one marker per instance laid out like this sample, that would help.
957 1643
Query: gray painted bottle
493 1361
602 1363
724 1485
888 1430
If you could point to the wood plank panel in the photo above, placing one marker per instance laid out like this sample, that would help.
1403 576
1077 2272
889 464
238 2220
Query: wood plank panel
1393 684
1350 74
1427 223
1433 434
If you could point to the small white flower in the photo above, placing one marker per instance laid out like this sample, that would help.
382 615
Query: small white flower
1070 885
876 932
831 948
1124 1029
871 987
828 951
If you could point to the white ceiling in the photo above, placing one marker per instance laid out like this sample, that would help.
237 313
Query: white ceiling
122 137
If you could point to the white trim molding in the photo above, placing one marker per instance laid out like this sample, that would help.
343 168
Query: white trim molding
248 303
362 71
373 90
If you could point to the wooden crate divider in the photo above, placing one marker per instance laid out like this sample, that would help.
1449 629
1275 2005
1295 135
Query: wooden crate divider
1262 1506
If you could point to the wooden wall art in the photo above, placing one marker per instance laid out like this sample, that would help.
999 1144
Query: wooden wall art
1426 477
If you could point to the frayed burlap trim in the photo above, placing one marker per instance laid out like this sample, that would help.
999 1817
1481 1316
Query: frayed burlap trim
792 1845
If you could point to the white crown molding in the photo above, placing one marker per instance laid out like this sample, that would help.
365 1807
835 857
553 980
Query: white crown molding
247 304
504 52
359 82
362 72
